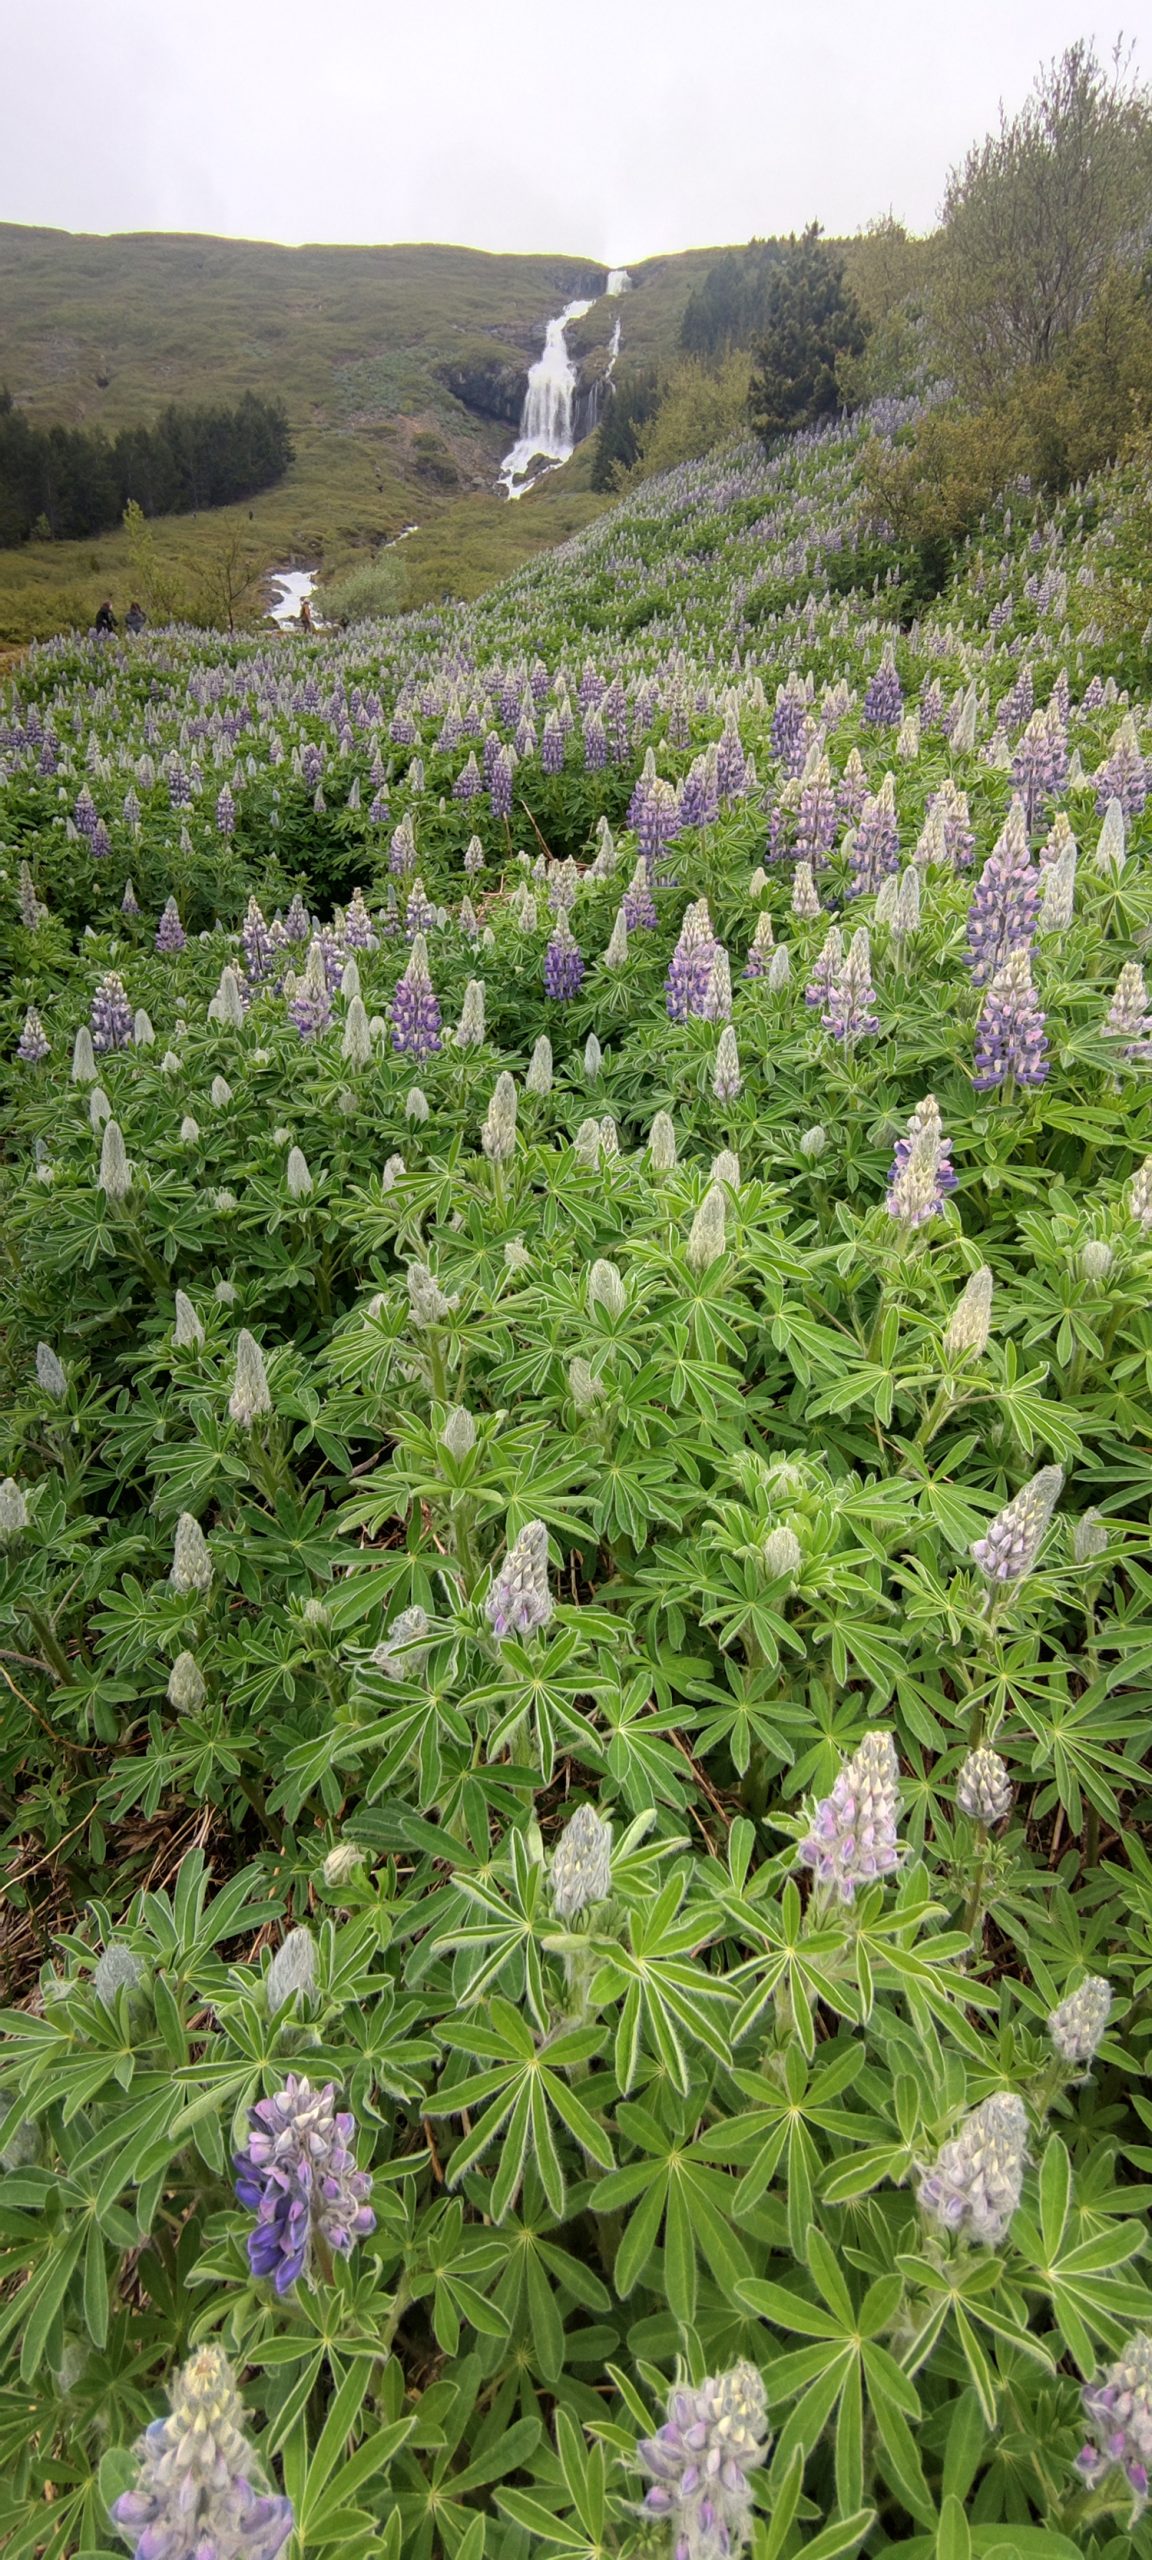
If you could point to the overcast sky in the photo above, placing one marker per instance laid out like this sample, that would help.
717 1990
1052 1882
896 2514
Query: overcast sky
614 129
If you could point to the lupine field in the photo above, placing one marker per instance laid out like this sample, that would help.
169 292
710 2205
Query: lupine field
575 1618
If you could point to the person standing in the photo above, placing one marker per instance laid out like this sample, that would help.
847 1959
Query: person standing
135 618
105 622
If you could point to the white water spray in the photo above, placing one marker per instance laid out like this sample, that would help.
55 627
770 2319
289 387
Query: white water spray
546 435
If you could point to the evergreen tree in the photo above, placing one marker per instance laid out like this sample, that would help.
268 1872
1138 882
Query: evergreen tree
812 322
633 401
67 482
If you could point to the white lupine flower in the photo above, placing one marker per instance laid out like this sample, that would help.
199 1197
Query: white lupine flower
170 1064
117 1970
727 1080
191 1563
84 1069
293 1968
593 1057
779 969
498 1135
984 1787
1112 842
296 1174
539 1077
227 1005
350 981
426 1300
250 1396
586 1143
471 1026
974 2185
616 952
805 897
581 1873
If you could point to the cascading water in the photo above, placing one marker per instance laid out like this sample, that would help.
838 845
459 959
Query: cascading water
546 435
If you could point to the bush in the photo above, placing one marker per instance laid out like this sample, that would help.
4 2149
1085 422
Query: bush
366 594
813 325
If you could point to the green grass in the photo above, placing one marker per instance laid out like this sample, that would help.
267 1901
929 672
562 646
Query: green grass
102 332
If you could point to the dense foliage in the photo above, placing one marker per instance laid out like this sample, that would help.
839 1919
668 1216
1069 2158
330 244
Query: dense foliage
812 328
57 482
730 305
575 1617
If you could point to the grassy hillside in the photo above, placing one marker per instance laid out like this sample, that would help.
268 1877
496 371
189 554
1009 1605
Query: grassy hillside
402 371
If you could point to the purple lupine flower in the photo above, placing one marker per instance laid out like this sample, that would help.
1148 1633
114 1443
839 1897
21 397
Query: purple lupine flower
416 1021
853 788
469 781
1011 1038
179 786
256 942
760 948
33 1045
299 2177
500 786
884 699
956 828
826 968
310 1004
716 1003
1124 775
99 842
111 1016
853 1839
922 1173
333 954
614 714
731 764
595 741
788 721
520 1599
1079 2024
848 1011
689 968
713 2437
419 912
1040 765
875 847
1120 2408
297 925
198 2492
818 816
402 850
656 823
1012 1541
1005 902
359 933
129 903
84 813
563 963
225 813
170 934
696 804
973 2186
552 748
1017 706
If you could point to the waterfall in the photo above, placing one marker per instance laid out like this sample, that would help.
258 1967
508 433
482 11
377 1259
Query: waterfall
547 433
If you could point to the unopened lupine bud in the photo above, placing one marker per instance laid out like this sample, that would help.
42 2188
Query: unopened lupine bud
662 1143
191 1563
616 953
498 1135
50 1376
350 981
813 1142
293 1968
1089 1538
581 1864
13 1512
250 1396
805 897
727 1080
1140 1194
520 1599
470 1028
709 1234
593 1057
516 1255
198 2485
984 1788
115 1171
779 969
539 1077
401 1656
459 1433
1079 2025
83 1057
606 1289
970 1322
187 1332
1112 842
587 1390
416 1105
973 2186
225 1293
586 1143
725 1168
1120 2408
220 1093
227 1005
186 1689
783 1554
853 1840
342 1863
713 2437
1012 1541
609 1137
1095 1260
189 1131
427 1304
118 1969
143 1034
99 1109
356 1045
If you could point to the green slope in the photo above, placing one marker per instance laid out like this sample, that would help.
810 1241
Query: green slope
401 369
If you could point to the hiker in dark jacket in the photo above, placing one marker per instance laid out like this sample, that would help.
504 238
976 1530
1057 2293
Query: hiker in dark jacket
135 619
105 619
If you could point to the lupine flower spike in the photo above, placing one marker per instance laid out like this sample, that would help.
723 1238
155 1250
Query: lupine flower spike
853 1840
198 2492
700 2463
299 2177
973 2187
